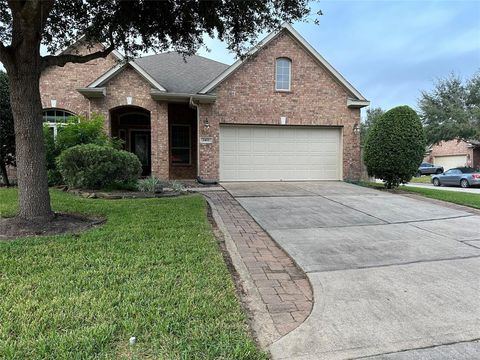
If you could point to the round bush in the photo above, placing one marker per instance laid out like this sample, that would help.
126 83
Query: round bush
92 166
395 146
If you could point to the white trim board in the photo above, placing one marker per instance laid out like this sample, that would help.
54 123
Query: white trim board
118 68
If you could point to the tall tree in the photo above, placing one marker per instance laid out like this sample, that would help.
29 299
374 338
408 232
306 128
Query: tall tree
129 26
372 115
452 109
7 134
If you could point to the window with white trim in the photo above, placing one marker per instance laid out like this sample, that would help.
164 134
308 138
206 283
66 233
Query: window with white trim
55 118
283 72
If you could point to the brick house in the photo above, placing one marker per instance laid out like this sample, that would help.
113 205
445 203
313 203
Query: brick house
455 153
282 113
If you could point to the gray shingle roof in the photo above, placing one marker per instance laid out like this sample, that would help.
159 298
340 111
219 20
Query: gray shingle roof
179 75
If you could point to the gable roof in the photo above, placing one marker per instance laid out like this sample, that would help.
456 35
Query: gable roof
181 75
290 30
175 73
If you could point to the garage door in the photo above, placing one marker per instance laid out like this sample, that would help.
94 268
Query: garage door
449 162
273 153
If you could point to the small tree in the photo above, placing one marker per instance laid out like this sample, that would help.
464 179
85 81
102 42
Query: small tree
7 134
395 146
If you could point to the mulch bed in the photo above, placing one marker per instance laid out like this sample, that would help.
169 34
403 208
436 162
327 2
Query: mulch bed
13 228
113 195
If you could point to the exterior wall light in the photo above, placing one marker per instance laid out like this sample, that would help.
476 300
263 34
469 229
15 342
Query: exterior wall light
356 129
206 124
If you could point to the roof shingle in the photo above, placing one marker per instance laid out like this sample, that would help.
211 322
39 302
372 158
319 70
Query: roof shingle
181 75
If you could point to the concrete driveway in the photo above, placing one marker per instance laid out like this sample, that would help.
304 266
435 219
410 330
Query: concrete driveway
393 277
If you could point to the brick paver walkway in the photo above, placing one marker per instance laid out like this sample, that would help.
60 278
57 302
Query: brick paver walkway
283 287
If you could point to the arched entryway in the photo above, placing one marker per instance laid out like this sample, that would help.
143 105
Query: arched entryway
131 124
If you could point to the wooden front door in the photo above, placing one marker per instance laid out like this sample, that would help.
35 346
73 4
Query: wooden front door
140 146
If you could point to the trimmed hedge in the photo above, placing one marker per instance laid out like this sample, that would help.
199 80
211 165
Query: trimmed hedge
91 166
395 146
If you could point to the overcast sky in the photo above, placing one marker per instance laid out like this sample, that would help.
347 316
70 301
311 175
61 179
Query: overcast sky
391 50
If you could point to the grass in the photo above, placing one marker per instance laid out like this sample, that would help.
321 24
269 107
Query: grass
422 180
456 197
153 271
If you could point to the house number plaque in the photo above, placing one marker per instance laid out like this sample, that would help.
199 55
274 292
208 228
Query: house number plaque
206 140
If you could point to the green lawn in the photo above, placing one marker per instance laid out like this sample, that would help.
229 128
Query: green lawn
457 197
153 271
422 179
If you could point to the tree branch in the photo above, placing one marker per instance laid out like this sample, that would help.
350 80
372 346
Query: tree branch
5 55
61 60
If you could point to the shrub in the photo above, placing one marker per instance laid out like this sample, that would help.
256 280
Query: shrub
395 146
150 184
93 166
78 130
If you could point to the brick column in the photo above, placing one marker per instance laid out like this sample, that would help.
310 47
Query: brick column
159 141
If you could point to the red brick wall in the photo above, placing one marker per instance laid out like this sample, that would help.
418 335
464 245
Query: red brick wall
61 83
453 147
129 83
248 96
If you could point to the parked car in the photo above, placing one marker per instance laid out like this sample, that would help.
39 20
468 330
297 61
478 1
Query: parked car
429 169
462 176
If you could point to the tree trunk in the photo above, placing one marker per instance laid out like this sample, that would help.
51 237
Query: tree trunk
3 170
24 79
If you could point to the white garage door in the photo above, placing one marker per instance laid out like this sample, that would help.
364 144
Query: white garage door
449 162
261 153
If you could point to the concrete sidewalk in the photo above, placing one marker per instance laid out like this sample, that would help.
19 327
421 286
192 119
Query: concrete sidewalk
393 277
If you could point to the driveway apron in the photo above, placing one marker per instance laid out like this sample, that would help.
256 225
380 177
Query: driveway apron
393 277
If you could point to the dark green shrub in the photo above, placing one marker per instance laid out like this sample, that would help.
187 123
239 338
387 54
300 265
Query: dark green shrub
91 166
79 130
395 146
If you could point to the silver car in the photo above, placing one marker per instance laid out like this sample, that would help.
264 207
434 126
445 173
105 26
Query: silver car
462 176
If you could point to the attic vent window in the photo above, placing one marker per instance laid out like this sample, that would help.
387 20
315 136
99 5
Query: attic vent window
283 72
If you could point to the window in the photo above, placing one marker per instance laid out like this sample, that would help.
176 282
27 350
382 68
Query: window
181 146
55 118
283 67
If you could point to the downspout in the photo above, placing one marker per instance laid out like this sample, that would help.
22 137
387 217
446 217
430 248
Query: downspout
199 178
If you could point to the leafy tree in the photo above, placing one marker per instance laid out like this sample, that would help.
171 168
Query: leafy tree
452 109
372 116
395 146
129 26
7 134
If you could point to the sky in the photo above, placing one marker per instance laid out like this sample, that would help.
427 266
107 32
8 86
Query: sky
391 50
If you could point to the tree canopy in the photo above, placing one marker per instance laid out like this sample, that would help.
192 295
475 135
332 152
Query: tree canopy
372 115
7 134
136 26
452 109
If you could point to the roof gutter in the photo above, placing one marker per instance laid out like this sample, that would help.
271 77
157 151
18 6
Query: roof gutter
91 93
357 104
182 97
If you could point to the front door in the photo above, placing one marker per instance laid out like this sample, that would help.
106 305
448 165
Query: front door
140 146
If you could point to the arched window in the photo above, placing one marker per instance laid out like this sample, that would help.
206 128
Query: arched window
54 118
283 72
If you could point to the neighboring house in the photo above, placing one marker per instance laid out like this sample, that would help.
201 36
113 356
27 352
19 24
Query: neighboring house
282 113
455 153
